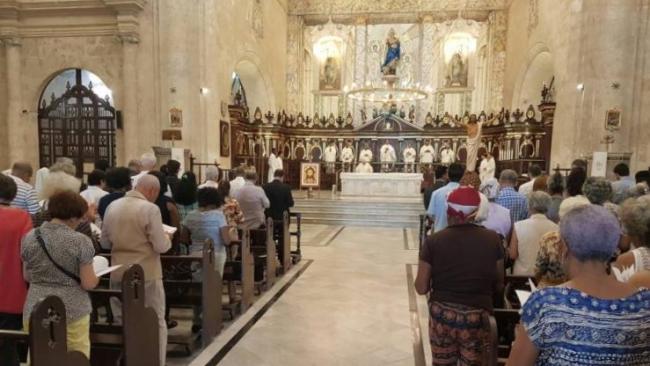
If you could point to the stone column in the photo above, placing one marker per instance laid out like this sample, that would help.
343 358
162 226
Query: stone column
13 127
497 32
295 27
427 60
130 120
360 64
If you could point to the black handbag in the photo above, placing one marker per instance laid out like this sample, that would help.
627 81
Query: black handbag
40 240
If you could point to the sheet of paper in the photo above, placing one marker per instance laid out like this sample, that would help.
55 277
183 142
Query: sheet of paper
522 296
599 164
625 275
99 263
170 230
107 270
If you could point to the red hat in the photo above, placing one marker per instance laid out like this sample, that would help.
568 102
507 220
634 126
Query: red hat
462 202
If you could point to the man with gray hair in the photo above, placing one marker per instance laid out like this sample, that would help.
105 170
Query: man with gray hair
511 199
133 230
498 217
253 202
26 197
211 177
238 182
148 163
526 234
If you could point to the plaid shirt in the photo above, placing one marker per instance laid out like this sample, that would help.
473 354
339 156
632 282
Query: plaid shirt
515 202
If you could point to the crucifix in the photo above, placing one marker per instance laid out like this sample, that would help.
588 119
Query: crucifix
608 140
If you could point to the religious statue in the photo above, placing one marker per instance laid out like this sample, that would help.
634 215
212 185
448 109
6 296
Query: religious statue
487 167
365 156
474 132
329 156
409 158
275 163
457 75
387 156
393 53
347 156
330 79
446 155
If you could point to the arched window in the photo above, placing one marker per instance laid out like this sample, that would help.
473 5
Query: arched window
76 119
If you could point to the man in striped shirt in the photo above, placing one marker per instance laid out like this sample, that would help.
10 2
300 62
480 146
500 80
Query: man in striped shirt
26 197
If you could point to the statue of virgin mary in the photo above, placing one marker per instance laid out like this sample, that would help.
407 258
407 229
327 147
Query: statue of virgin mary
393 52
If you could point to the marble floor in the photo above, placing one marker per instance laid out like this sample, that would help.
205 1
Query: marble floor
348 305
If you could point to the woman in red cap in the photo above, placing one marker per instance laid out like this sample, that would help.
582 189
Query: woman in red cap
461 268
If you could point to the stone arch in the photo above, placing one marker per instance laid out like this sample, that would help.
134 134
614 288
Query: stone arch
259 92
538 69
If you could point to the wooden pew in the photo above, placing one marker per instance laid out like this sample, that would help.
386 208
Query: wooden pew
512 283
247 272
259 241
132 342
285 246
47 336
297 254
206 293
493 350
506 320
271 255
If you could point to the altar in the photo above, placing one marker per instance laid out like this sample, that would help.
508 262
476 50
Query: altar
397 185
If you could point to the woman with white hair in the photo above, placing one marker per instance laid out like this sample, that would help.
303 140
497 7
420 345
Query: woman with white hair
526 234
592 319
635 217
211 177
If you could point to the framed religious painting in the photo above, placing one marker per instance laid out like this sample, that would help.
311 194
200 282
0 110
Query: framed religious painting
613 120
310 175
176 118
224 134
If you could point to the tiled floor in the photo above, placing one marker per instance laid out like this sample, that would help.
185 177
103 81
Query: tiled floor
350 306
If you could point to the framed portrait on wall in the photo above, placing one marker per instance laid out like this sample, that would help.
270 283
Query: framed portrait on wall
176 118
224 135
310 175
613 120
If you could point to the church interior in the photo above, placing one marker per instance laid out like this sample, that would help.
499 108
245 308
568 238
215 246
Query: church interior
258 172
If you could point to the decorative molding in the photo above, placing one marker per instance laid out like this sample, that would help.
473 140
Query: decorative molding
308 7
10 41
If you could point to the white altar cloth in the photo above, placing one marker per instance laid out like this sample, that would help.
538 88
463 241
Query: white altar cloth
398 185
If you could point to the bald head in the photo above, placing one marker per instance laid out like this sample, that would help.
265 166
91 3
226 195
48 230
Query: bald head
149 186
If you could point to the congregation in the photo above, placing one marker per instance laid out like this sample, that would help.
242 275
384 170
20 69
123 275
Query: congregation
52 231
569 234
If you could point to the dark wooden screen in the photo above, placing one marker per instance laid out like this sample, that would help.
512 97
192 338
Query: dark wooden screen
79 125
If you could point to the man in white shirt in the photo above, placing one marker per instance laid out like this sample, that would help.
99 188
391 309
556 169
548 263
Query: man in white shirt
447 155
238 182
534 171
253 202
148 163
26 197
365 156
96 185
622 184
211 178
330 158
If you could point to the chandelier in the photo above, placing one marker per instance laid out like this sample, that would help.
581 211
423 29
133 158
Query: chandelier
390 90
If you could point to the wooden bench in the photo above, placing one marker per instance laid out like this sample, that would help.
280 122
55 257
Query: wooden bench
506 321
134 340
512 283
297 254
242 270
47 336
189 292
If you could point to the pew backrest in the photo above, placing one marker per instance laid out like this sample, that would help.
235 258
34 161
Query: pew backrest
271 255
211 288
286 243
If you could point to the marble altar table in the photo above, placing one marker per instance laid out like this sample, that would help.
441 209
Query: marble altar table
397 185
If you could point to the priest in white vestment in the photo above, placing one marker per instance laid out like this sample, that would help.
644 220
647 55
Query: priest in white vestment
447 155
409 158
363 167
329 156
365 156
275 163
347 157
387 157
487 167
474 132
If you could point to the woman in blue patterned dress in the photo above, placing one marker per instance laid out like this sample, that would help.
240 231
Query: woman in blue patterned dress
592 319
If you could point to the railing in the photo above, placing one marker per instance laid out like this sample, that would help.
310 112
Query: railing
198 168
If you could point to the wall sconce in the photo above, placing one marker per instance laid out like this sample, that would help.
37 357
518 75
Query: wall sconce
580 87
204 91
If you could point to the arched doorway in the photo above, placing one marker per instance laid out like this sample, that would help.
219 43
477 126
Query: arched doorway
76 120
539 71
